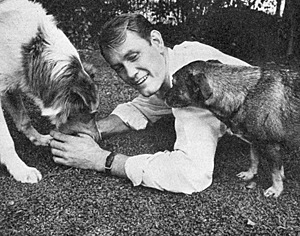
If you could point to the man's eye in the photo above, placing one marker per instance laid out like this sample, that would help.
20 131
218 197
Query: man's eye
133 57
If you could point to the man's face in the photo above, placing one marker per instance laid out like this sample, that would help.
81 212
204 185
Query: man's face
139 63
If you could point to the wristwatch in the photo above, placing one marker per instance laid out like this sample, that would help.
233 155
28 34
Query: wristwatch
108 163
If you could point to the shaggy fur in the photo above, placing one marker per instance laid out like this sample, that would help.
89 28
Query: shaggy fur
261 105
38 60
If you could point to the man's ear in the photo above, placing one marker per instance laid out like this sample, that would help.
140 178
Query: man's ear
205 88
157 40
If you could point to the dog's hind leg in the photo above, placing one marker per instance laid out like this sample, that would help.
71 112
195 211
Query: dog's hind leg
274 158
8 156
13 103
252 171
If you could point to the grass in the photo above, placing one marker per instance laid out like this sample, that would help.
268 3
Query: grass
70 201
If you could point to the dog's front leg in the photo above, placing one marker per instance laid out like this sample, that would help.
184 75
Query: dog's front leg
273 152
8 156
252 171
13 103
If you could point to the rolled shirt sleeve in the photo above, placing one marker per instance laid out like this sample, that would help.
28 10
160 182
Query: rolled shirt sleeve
131 116
142 110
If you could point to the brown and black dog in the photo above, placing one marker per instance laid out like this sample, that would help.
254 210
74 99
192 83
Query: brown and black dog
261 105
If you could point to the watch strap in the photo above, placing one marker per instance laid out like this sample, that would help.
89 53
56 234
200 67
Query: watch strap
108 163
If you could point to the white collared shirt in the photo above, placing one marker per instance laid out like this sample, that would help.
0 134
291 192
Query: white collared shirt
189 168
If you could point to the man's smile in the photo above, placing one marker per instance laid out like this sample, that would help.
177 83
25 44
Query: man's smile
141 80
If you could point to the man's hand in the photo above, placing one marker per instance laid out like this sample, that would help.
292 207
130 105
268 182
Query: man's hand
77 151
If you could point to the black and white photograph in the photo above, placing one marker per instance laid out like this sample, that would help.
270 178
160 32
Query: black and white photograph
149 117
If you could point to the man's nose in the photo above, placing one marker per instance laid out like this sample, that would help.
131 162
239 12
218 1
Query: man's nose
131 70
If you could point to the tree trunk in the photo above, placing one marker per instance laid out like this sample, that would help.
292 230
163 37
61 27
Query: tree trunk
278 8
292 17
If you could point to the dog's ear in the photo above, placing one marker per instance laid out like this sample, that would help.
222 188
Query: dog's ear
205 88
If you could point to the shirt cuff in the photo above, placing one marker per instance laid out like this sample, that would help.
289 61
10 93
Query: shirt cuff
134 168
131 116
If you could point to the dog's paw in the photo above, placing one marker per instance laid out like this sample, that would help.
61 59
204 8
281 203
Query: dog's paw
26 175
41 140
246 175
273 191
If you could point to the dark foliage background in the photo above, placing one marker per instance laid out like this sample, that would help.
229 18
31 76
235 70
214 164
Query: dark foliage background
237 30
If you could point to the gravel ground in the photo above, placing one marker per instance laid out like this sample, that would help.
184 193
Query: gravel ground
69 201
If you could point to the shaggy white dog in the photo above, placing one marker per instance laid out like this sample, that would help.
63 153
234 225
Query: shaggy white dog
37 59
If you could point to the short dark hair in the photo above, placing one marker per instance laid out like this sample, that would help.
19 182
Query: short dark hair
113 32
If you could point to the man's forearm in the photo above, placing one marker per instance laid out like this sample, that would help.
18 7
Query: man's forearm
111 125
